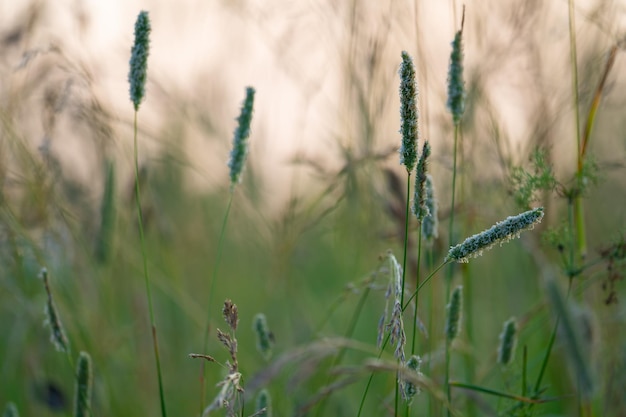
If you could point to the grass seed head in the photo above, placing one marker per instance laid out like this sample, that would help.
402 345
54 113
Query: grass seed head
409 389
263 336
53 319
84 383
430 223
408 113
456 85
139 59
419 208
231 314
508 342
263 404
239 151
455 310
501 232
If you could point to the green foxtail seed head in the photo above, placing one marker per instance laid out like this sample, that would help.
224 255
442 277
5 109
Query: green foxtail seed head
409 389
139 59
240 139
10 411
430 223
263 401
508 342
456 86
84 382
419 208
57 332
501 232
455 310
263 336
408 113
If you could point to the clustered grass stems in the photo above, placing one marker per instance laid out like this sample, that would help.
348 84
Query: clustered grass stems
456 106
238 156
409 129
137 77
84 384
230 386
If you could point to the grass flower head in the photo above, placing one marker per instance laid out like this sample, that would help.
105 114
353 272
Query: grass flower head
455 310
508 342
84 383
408 113
501 232
456 86
419 208
139 59
430 223
239 151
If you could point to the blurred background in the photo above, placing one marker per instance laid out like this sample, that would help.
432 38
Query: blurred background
322 195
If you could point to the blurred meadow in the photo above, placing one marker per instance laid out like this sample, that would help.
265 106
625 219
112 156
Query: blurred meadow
321 202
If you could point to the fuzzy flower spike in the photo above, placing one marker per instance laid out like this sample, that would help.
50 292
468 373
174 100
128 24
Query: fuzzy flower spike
456 86
240 139
139 59
408 113
501 232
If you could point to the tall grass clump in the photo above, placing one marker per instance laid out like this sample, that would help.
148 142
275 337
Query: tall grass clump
238 156
137 77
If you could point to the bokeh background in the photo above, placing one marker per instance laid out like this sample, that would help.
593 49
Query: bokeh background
322 192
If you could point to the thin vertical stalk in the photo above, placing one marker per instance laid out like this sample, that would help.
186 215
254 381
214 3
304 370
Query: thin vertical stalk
450 270
144 256
216 264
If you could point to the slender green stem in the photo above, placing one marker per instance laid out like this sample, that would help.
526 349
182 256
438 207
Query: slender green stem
450 270
369 381
406 244
347 335
544 363
144 256
220 247
417 282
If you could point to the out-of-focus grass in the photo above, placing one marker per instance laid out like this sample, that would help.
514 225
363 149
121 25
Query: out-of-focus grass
290 264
